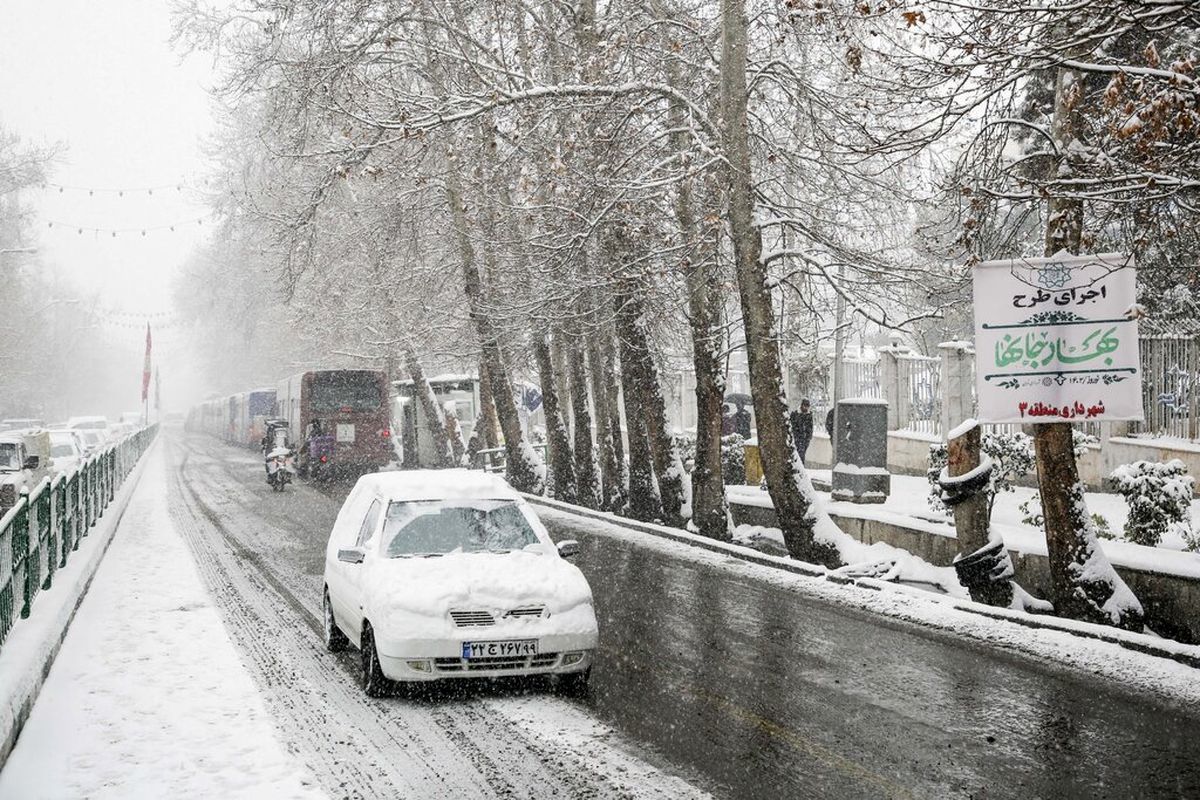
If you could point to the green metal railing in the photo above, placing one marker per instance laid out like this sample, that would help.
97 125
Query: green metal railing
39 533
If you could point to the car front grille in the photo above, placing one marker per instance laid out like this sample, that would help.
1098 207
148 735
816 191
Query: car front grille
472 619
526 611
498 663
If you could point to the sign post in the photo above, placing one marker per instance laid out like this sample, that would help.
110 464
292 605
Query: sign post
1056 340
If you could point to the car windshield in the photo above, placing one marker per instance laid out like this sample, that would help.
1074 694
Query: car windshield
9 457
62 450
434 528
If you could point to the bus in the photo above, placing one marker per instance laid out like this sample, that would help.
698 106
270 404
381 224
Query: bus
351 409
248 412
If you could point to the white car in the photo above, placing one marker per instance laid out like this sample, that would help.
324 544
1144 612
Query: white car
66 449
98 425
437 574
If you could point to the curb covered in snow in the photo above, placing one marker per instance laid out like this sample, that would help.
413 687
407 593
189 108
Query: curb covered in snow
1163 648
33 644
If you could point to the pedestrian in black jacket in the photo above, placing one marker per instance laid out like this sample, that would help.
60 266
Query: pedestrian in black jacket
802 428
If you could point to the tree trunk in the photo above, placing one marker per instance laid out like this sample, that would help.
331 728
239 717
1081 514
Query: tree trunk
586 470
562 464
487 411
1083 583
644 502
423 394
710 508
612 486
785 476
523 468
637 364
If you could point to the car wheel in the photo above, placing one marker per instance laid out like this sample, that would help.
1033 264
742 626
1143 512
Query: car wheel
575 684
335 640
373 681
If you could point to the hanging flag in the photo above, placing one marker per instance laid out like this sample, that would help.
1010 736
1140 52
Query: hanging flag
146 368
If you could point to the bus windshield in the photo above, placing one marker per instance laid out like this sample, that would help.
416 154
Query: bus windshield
353 391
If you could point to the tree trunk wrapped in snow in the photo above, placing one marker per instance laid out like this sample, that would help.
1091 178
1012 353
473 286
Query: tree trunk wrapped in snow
429 408
608 435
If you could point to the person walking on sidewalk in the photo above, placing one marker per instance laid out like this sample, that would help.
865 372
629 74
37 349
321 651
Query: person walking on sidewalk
802 428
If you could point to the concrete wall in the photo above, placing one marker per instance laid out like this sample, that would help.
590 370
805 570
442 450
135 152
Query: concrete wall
1171 602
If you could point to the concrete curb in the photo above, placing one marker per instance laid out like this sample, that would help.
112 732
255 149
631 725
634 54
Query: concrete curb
33 644
1188 655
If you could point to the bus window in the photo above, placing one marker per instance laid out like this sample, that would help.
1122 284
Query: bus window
353 391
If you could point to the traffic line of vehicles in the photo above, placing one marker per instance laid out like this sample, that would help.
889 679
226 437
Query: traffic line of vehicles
30 450
340 420
433 575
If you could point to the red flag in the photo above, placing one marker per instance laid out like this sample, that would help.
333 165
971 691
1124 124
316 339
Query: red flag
146 367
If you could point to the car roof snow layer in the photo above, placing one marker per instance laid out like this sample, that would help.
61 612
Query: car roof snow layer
437 484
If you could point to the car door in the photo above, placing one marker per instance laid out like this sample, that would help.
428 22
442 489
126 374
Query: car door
355 573
337 573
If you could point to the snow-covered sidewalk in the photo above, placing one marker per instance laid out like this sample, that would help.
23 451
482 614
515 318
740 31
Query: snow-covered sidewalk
148 697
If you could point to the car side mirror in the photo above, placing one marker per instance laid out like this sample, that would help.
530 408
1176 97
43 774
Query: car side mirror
351 555
568 548
32 462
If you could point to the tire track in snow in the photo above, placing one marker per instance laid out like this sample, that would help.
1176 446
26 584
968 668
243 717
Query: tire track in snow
484 747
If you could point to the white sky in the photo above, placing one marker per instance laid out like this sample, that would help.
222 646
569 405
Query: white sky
100 77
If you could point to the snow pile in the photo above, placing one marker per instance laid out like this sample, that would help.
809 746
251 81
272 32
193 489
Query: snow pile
1160 501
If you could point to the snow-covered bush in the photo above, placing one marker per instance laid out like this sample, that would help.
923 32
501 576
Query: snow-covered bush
1012 458
733 459
1159 498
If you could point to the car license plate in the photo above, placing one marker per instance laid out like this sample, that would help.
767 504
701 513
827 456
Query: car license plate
510 649
345 433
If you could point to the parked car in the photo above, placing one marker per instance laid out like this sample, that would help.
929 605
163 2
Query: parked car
93 440
67 450
21 424
97 424
21 467
437 574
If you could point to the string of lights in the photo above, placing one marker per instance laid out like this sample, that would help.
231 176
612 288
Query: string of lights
115 232
130 191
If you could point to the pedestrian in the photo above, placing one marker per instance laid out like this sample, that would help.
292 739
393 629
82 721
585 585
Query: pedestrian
741 422
829 423
802 428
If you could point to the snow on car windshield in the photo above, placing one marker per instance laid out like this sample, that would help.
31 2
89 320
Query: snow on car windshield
61 450
470 526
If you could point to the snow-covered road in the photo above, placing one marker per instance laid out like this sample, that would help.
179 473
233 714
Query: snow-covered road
713 676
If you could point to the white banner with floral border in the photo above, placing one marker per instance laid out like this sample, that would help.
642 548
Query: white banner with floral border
1056 339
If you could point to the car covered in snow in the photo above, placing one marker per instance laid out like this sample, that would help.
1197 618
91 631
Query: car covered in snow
96 424
67 450
442 574
24 462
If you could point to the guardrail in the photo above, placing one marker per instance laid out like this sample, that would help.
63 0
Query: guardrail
38 534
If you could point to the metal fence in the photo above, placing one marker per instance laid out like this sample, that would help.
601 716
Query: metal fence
920 393
1170 375
39 533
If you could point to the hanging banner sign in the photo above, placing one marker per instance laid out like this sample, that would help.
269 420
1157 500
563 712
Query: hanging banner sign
1056 340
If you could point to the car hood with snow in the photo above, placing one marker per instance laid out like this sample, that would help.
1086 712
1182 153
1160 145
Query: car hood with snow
431 591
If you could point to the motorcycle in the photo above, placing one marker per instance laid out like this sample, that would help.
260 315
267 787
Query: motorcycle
278 455
280 468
